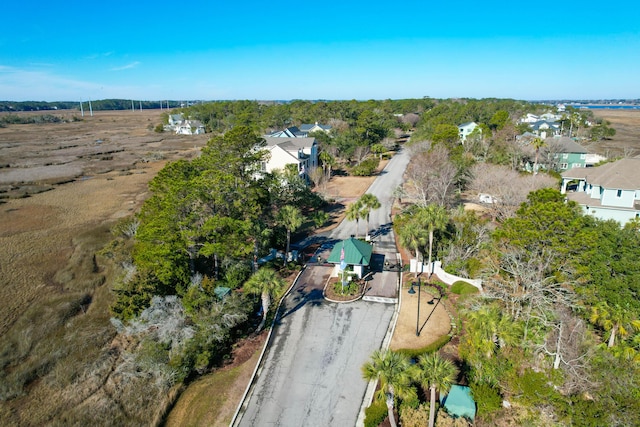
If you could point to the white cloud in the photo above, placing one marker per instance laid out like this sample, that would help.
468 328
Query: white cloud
126 67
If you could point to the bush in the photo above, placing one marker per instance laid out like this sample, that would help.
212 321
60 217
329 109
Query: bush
351 288
414 417
375 413
463 288
487 398
414 353
366 167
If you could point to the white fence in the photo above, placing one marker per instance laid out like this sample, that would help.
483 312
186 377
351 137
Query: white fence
436 268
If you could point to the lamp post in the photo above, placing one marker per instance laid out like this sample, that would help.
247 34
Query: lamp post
413 291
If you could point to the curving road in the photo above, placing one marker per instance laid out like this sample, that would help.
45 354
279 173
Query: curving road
311 374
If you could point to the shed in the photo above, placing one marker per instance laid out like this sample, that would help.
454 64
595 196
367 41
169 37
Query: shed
353 252
459 402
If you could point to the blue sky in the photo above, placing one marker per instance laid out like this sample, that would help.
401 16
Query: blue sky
73 50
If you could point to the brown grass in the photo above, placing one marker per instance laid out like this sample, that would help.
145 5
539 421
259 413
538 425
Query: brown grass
627 138
54 325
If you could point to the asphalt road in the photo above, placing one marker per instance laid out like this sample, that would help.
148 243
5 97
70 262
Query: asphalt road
311 372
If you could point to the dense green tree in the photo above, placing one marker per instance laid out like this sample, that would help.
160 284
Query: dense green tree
499 120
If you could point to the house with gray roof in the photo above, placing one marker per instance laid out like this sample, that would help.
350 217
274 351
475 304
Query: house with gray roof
300 132
314 127
564 153
609 191
303 152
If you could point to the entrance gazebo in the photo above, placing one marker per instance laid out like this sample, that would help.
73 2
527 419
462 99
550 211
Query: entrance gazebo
351 252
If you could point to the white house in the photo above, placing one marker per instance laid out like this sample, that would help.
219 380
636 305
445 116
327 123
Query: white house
181 126
284 151
190 127
465 130
609 191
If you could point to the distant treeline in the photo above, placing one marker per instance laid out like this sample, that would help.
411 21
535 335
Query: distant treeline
97 105
14 119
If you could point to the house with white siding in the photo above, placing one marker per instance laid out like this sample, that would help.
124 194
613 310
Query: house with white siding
609 191
465 130
303 152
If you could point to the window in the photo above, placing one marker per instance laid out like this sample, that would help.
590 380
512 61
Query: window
565 155
619 193
564 166
583 156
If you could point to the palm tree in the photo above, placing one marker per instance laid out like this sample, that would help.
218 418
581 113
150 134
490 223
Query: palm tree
266 283
435 218
537 144
437 374
369 202
392 370
412 235
613 318
354 213
291 219
328 162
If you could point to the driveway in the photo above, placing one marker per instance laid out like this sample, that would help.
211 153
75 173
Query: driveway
310 375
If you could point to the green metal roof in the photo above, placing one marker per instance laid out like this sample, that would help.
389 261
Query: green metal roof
459 402
356 252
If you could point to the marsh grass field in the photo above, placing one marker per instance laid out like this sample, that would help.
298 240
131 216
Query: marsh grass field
62 187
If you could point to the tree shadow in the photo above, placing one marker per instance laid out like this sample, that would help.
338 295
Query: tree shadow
302 297
383 230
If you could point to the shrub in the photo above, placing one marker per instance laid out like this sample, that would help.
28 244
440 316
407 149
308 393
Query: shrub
351 288
414 353
463 288
487 398
366 168
414 417
375 413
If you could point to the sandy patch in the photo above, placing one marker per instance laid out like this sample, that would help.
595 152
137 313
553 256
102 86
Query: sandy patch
433 322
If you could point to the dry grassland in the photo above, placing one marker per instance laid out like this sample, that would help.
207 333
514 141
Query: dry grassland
54 325
626 142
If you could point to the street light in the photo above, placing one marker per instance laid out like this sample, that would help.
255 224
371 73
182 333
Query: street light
412 291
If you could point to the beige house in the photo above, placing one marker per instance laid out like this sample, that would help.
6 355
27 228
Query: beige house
302 152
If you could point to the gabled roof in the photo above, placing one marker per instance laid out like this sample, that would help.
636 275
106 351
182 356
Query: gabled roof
467 124
290 143
549 123
564 145
356 252
290 132
622 175
306 127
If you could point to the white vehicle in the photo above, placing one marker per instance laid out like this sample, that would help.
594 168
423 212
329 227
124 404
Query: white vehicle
487 198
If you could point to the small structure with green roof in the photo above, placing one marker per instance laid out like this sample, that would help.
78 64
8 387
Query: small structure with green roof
351 252
459 402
